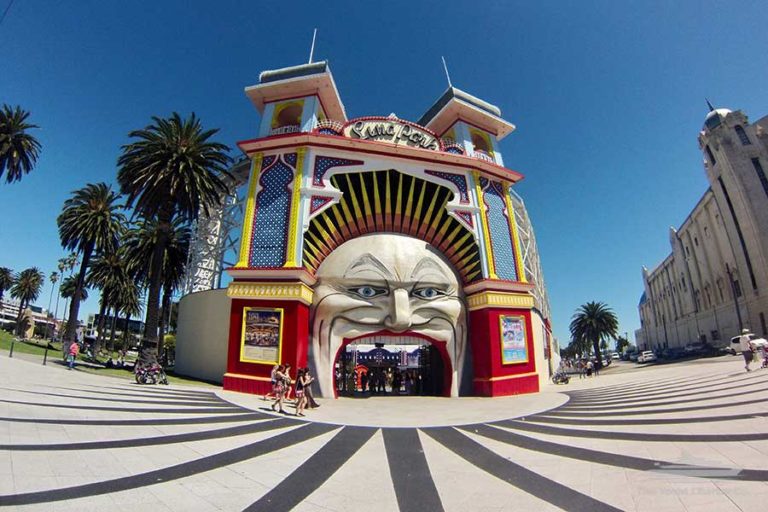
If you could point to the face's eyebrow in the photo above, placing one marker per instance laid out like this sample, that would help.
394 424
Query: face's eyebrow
427 264
368 262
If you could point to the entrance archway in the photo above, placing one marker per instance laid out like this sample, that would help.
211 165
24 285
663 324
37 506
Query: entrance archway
388 364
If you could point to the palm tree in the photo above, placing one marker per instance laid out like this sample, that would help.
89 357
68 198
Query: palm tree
140 247
129 304
91 220
18 149
6 281
592 323
54 278
68 289
26 288
108 273
171 169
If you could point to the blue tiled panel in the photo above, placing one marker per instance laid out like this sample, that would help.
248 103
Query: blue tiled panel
503 253
457 179
273 211
323 163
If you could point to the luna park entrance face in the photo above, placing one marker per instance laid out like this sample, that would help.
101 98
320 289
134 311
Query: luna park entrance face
389 366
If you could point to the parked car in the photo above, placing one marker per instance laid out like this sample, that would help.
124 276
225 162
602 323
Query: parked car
735 347
647 356
615 356
633 356
673 353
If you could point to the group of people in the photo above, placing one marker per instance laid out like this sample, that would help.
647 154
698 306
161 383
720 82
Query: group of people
283 386
584 367
378 381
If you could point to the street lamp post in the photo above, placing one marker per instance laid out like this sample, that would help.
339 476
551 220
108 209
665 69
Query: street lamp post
735 298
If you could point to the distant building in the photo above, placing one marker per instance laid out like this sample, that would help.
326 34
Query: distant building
715 281
9 312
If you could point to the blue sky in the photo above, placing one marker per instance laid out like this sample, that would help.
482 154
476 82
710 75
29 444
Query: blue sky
608 98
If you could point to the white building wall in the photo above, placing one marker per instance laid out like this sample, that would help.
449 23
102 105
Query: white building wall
201 341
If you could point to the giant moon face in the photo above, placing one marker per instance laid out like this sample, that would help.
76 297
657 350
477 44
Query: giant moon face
385 283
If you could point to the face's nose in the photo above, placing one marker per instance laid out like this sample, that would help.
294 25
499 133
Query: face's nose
399 318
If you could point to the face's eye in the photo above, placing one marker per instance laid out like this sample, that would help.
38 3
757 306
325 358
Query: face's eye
428 292
368 292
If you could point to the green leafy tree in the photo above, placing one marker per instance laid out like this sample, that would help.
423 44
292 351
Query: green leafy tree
19 150
6 281
592 323
90 221
26 289
171 169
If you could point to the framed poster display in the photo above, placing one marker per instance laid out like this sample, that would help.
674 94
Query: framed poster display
514 348
262 335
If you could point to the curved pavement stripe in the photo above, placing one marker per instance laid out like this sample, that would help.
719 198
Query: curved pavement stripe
556 412
238 430
315 471
542 418
192 403
598 457
514 474
200 410
186 469
629 436
141 422
414 487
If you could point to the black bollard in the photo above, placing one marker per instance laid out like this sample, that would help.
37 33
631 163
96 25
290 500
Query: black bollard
13 340
45 356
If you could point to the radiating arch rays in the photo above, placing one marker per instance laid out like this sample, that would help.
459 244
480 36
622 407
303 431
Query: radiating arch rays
392 202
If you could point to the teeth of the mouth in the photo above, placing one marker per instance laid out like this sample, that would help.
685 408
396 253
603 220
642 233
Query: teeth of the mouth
391 340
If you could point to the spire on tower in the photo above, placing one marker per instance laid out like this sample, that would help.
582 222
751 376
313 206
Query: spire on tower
711 108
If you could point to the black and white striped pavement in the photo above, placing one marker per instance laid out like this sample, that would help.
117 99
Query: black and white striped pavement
692 436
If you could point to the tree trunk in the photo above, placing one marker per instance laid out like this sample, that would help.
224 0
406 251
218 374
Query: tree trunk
166 304
150 341
598 354
74 306
19 329
112 333
100 325
127 332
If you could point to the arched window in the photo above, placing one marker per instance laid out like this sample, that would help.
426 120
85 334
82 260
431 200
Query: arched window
742 135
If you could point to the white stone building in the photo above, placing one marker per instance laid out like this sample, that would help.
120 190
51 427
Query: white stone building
715 280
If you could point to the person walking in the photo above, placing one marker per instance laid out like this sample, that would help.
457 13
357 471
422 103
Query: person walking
747 348
288 382
279 389
311 403
301 400
271 393
74 350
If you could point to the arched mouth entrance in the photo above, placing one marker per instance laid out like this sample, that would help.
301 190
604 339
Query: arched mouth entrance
392 365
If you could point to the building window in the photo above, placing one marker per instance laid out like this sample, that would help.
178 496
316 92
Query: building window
687 252
711 156
715 335
737 287
706 232
742 136
760 174
762 324
696 241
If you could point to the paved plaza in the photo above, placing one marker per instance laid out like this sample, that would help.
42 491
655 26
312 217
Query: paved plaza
690 436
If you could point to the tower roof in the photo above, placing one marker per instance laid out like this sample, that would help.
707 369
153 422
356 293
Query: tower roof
715 117
313 79
456 104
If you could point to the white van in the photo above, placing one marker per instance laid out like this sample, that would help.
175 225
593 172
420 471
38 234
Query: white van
735 347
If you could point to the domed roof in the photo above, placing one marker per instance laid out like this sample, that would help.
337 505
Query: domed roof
715 117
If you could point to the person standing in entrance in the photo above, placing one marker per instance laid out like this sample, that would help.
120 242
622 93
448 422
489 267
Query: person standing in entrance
311 403
747 349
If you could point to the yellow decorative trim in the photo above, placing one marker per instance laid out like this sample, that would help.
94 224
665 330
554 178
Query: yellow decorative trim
293 227
250 208
515 236
270 291
505 377
248 377
485 227
487 299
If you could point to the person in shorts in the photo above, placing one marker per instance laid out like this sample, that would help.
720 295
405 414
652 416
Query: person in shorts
747 348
